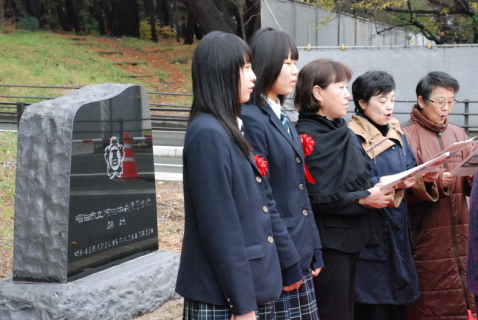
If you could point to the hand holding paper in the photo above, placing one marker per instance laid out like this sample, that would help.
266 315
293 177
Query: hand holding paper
469 166
407 183
379 197
393 180
447 180
431 176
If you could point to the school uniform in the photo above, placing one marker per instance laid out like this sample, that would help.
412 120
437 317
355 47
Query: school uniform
233 235
280 145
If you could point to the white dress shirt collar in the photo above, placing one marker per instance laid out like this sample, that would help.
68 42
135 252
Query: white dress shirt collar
275 106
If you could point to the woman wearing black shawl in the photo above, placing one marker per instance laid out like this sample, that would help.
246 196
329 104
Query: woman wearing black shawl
342 197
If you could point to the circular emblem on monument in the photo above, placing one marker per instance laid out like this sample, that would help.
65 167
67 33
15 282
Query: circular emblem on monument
114 156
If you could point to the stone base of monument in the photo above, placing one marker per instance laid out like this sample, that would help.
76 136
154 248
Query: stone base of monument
126 290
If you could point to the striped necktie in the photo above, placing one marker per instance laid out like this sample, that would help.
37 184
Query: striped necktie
285 121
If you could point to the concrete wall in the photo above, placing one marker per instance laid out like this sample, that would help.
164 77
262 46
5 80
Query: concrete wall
306 23
399 52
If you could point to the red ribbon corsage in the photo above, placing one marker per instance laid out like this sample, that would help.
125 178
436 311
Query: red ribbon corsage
308 146
261 164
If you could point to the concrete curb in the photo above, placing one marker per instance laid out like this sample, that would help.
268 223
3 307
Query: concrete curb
165 151
165 176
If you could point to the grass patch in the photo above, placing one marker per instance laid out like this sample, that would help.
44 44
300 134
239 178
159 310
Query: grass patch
41 58
133 43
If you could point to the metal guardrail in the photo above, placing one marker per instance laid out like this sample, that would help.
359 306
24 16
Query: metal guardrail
172 117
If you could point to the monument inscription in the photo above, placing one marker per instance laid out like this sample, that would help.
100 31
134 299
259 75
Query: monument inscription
112 193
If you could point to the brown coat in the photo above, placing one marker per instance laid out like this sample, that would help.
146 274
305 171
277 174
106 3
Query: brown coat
439 229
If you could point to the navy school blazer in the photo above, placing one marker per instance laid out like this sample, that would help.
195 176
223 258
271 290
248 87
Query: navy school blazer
285 156
234 243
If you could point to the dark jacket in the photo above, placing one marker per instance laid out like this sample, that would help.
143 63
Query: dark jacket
285 157
472 256
233 233
342 223
386 274
439 229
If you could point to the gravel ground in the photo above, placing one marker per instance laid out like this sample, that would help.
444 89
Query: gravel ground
170 229
169 198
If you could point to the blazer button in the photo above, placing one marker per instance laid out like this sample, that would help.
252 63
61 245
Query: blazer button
301 186
258 179
298 160
265 209
304 212
270 239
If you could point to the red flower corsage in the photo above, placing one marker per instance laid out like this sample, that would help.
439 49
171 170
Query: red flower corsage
308 146
261 164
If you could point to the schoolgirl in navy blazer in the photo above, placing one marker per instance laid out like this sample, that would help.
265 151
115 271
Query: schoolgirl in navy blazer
234 243
272 136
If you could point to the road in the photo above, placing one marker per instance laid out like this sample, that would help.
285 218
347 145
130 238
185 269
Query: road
168 162
167 153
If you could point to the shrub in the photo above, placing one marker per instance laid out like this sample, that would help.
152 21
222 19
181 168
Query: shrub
28 23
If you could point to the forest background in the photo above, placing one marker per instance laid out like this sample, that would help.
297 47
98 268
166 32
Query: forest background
441 21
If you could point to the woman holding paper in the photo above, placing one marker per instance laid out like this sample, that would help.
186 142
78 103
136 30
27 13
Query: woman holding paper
339 186
439 229
386 275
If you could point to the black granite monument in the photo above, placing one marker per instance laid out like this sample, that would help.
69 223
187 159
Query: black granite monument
86 239
91 198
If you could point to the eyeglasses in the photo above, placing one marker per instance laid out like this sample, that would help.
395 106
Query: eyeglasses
441 103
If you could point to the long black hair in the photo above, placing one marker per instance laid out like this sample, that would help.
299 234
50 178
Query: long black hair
270 48
216 73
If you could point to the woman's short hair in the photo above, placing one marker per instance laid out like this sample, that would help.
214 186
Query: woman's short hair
320 72
270 47
435 79
371 83
216 72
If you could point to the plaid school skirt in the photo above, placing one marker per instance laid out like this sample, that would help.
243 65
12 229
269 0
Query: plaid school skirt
298 304
195 310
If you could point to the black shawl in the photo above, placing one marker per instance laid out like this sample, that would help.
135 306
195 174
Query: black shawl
335 163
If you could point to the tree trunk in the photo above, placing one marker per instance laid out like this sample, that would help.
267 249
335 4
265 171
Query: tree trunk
107 7
73 13
228 9
33 9
149 6
13 9
189 34
99 16
198 31
163 13
252 18
62 16
208 16
239 13
126 15
2 12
